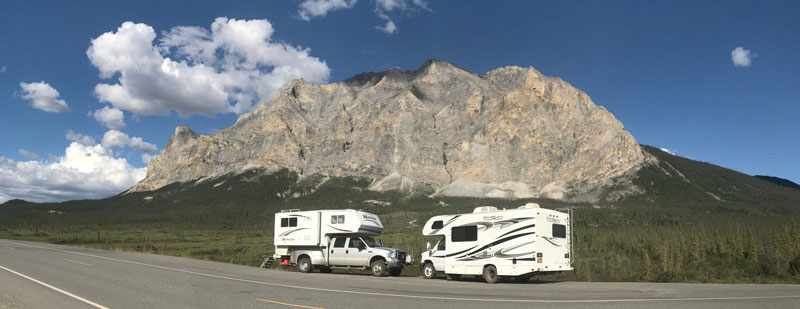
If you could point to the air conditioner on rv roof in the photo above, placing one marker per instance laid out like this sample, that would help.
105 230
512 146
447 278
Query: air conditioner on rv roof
484 209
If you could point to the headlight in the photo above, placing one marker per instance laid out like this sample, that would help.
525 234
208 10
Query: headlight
393 254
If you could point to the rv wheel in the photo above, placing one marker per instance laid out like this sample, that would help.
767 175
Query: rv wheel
428 271
490 274
378 268
305 265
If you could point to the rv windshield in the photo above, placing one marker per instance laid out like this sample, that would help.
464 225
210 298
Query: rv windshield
370 242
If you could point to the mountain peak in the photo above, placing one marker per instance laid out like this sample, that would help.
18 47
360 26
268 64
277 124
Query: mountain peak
511 133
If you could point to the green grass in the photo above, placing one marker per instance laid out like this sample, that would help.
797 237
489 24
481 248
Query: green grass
711 225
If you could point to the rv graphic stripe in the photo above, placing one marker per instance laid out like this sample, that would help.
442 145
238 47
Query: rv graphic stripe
292 231
499 241
519 229
459 252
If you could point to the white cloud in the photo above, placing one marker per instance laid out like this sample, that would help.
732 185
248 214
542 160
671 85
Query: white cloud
194 70
741 57
146 157
85 171
80 138
314 8
383 8
389 28
114 139
28 154
43 97
111 118
667 151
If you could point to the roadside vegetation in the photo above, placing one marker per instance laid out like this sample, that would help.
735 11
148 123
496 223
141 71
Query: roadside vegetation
696 223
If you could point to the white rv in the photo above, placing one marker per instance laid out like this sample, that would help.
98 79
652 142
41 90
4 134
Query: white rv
328 239
496 243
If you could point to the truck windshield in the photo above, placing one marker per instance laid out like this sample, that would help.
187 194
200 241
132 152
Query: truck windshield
370 242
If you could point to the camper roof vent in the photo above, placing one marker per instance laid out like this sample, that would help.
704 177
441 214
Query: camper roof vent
529 205
484 209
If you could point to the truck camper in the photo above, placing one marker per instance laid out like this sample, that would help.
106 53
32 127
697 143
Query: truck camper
328 239
516 243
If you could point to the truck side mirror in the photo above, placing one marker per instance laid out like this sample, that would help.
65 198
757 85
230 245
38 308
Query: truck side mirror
428 245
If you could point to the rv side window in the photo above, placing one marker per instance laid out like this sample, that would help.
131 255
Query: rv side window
465 233
292 222
337 219
339 242
284 222
438 224
559 231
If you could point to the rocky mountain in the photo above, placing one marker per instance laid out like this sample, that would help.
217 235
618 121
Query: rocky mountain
440 129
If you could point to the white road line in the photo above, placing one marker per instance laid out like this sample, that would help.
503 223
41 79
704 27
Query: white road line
89 302
76 262
419 296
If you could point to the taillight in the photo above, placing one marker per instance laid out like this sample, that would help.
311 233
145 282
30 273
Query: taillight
538 255
566 255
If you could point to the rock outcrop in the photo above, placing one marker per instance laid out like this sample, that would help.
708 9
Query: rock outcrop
511 133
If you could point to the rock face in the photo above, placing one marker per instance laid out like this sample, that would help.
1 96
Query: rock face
512 133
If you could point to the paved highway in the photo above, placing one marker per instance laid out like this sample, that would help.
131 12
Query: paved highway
37 275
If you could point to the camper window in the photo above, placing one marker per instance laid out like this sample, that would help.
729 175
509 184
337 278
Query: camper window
438 224
337 219
559 231
465 233
339 242
288 222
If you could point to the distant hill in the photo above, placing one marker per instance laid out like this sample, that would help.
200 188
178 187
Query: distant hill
667 182
779 181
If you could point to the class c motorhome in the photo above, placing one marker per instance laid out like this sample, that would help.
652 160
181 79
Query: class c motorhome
327 239
497 243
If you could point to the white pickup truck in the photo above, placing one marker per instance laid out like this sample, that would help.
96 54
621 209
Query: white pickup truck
328 239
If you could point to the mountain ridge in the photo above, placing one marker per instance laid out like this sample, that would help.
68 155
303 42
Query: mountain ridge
439 129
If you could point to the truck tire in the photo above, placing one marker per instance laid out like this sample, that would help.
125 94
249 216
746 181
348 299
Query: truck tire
378 268
490 274
395 272
428 271
304 264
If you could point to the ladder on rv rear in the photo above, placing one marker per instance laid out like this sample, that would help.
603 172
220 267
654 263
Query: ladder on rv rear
571 233
267 262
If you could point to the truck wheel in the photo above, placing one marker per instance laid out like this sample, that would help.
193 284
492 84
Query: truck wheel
428 271
378 268
490 274
304 264
453 277
395 272
325 269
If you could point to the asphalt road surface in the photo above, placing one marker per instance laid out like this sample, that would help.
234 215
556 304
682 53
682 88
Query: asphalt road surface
37 275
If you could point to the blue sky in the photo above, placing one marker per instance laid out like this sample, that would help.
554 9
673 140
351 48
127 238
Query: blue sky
664 69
